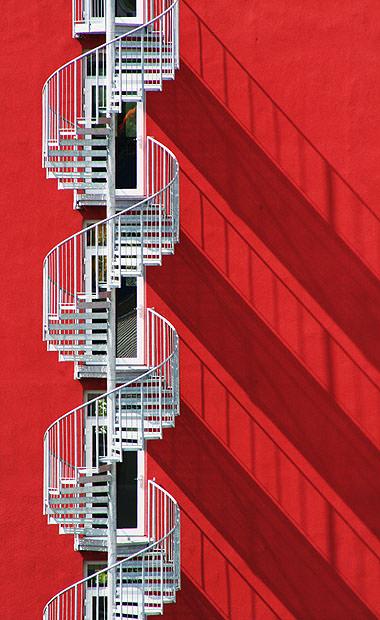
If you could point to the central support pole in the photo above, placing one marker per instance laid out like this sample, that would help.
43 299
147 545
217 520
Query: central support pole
111 328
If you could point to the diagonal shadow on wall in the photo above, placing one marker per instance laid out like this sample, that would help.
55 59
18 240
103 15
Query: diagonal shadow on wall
259 193
191 604
272 377
209 227
253 525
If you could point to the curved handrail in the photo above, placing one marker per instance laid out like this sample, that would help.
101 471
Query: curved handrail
63 100
122 245
64 454
115 40
91 402
140 204
124 385
167 536
64 275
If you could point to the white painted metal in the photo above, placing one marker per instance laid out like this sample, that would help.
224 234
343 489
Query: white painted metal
144 581
111 323
141 409
75 319
74 143
81 275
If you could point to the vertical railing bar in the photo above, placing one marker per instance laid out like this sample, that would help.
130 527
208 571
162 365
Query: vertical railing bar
97 85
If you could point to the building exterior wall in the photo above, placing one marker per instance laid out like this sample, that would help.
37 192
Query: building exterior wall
273 290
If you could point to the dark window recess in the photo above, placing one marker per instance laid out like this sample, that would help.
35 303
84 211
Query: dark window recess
126 148
126 472
125 8
95 65
102 438
126 319
99 100
95 568
98 266
97 8
99 607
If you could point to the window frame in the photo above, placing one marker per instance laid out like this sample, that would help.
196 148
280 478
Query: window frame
124 535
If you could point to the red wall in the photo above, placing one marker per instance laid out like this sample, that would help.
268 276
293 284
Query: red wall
273 289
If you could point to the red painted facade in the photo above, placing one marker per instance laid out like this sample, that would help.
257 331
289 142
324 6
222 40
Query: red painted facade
274 292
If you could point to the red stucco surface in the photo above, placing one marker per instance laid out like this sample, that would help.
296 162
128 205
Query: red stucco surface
273 289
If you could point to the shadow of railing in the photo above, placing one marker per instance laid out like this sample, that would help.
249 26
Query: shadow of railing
259 194
261 534
232 254
284 219
193 602
295 373
275 470
209 571
272 377
300 160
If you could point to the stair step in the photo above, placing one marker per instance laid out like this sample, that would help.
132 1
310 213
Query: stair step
75 152
86 298
85 318
131 436
151 50
77 326
62 500
94 478
148 425
77 185
154 404
94 303
83 142
81 489
73 335
85 510
93 308
154 408
150 41
78 521
81 175
94 131
81 350
99 532
133 68
76 164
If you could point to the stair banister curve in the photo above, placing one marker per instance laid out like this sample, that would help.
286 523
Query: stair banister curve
76 140
156 229
64 457
164 577
63 101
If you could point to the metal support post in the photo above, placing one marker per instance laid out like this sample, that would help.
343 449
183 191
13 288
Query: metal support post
111 328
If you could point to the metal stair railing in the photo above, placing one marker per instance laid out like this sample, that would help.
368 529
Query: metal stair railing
79 481
142 583
143 57
142 407
122 245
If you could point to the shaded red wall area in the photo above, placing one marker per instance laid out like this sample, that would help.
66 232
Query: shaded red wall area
273 289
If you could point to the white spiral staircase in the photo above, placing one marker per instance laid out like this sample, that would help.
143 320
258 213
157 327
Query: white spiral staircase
137 585
128 241
78 308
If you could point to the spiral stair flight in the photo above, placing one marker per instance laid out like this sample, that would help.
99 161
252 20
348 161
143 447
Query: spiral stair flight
77 139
